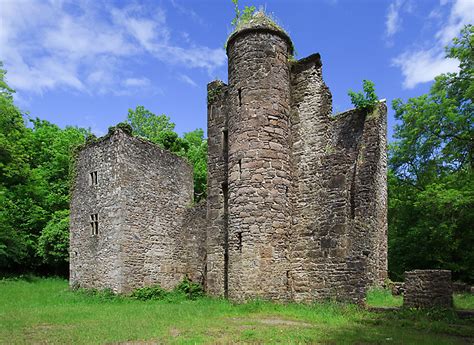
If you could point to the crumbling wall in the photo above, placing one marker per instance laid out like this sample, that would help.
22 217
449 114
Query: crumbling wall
310 124
157 189
193 229
428 288
217 195
338 194
96 260
142 197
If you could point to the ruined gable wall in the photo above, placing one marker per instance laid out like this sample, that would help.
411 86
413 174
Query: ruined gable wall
310 130
96 260
157 189
217 237
338 193
368 187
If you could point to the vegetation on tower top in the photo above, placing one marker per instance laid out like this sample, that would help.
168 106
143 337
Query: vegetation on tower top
250 18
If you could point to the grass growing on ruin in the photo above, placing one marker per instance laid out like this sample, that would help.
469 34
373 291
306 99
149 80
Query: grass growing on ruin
45 311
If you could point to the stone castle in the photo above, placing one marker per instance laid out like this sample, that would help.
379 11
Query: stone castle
296 203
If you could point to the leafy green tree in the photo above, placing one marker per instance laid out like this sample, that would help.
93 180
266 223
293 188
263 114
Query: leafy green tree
197 156
53 243
160 130
156 128
431 185
34 180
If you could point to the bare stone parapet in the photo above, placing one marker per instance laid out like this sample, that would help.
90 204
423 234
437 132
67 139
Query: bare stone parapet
428 288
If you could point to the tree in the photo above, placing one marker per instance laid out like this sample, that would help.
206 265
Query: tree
160 130
197 156
431 184
53 243
34 181
156 128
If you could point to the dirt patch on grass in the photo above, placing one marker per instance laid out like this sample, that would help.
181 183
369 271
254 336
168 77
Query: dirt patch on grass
174 332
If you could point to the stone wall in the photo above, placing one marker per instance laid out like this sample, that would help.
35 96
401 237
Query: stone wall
428 288
338 192
297 197
217 196
96 260
194 236
310 130
142 199
258 165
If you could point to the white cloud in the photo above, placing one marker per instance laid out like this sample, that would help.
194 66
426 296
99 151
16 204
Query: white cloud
462 13
137 82
83 45
185 79
422 65
393 20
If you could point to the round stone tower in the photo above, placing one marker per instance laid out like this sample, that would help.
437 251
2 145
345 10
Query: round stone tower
258 161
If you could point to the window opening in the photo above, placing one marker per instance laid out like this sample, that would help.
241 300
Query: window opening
240 97
94 221
225 141
239 237
93 178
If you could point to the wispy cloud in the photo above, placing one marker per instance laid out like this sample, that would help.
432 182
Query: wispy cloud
83 45
422 65
188 12
393 20
185 79
462 13
136 82
394 17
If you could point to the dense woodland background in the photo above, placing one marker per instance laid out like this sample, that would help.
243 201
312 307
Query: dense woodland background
430 181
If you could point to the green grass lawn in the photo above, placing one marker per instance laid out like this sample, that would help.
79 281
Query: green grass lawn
383 298
45 311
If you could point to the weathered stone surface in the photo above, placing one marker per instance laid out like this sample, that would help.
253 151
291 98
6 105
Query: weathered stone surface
305 215
297 197
428 288
146 229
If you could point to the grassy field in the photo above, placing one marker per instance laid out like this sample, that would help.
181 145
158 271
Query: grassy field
45 311
383 298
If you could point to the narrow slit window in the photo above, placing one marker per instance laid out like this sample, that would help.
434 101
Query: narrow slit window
240 97
239 238
240 168
93 178
94 221
225 141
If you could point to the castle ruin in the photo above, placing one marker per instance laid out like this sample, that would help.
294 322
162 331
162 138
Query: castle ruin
297 197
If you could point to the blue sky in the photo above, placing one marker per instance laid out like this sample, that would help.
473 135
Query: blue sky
86 63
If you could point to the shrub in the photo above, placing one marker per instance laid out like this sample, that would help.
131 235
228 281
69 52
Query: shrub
149 293
190 289
366 100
